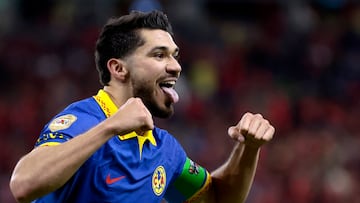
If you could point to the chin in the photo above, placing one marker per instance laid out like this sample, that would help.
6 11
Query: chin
158 107
164 112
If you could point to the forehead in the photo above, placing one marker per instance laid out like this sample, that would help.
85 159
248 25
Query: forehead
157 38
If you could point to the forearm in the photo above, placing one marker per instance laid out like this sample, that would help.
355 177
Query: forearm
45 169
233 180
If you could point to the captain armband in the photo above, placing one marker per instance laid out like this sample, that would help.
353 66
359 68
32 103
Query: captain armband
192 182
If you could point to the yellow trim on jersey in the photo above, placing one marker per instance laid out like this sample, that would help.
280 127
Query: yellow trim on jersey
109 108
199 193
105 102
50 144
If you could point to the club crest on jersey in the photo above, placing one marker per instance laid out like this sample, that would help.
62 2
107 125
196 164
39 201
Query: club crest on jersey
159 180
62 122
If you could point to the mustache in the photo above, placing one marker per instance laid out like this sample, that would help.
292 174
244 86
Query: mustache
170 75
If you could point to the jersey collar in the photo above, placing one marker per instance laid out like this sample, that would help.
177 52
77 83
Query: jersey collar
109 108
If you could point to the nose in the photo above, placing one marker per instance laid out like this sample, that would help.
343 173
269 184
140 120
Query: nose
173 66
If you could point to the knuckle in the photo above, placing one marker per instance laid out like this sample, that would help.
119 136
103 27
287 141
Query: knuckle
247 114
137 100
272 128
266 122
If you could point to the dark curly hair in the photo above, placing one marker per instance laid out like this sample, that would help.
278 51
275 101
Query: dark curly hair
120 37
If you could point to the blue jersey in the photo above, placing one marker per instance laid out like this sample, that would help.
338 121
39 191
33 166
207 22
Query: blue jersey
128 168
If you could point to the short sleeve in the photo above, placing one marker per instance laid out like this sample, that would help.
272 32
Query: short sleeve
76 119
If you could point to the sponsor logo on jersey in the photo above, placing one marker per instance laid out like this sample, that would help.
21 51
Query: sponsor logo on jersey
110 180
159 180
62 122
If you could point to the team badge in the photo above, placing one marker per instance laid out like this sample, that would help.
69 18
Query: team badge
159 180
62 122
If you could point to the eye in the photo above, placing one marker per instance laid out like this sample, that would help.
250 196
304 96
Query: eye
159 55
176 56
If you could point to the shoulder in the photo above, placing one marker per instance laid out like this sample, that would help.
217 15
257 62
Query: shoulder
171 146
165 136
86 106
76 118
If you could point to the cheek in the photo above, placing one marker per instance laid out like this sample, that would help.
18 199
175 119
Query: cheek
146 72
145 89
145 76
151 68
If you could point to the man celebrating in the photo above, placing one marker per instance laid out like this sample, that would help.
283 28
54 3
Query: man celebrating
106 148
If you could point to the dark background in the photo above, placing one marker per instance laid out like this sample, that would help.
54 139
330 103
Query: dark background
296 62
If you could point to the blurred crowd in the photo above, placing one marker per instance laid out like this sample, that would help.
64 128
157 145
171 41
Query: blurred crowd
296 62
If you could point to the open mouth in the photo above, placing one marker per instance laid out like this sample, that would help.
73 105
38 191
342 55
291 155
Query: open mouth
168 88
168 84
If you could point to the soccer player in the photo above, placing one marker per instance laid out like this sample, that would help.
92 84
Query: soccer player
106 148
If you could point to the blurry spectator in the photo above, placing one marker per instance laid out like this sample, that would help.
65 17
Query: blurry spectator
295 61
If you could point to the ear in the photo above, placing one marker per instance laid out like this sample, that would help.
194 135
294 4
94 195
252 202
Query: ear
117 69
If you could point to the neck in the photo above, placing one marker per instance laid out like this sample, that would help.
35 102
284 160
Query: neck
117 95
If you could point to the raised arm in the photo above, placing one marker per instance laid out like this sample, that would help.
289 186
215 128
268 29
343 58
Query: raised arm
232 181
47 168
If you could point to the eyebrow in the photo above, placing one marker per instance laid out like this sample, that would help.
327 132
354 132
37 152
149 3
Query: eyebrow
164 48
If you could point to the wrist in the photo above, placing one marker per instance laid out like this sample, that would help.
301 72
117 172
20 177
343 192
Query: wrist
107 128
252 146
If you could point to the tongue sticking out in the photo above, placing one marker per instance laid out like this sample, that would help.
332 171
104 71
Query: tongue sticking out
171 93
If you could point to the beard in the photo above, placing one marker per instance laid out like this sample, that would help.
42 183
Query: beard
148 96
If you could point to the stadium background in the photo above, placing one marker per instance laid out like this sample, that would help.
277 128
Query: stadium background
296 62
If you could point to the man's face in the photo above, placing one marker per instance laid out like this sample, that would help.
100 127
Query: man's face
154 70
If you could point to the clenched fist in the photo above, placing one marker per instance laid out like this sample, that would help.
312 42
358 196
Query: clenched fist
253 130
131 116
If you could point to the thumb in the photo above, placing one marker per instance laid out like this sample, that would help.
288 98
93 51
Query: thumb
235 134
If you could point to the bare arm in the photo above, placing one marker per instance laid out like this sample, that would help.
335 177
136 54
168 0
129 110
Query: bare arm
232 181
47 168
